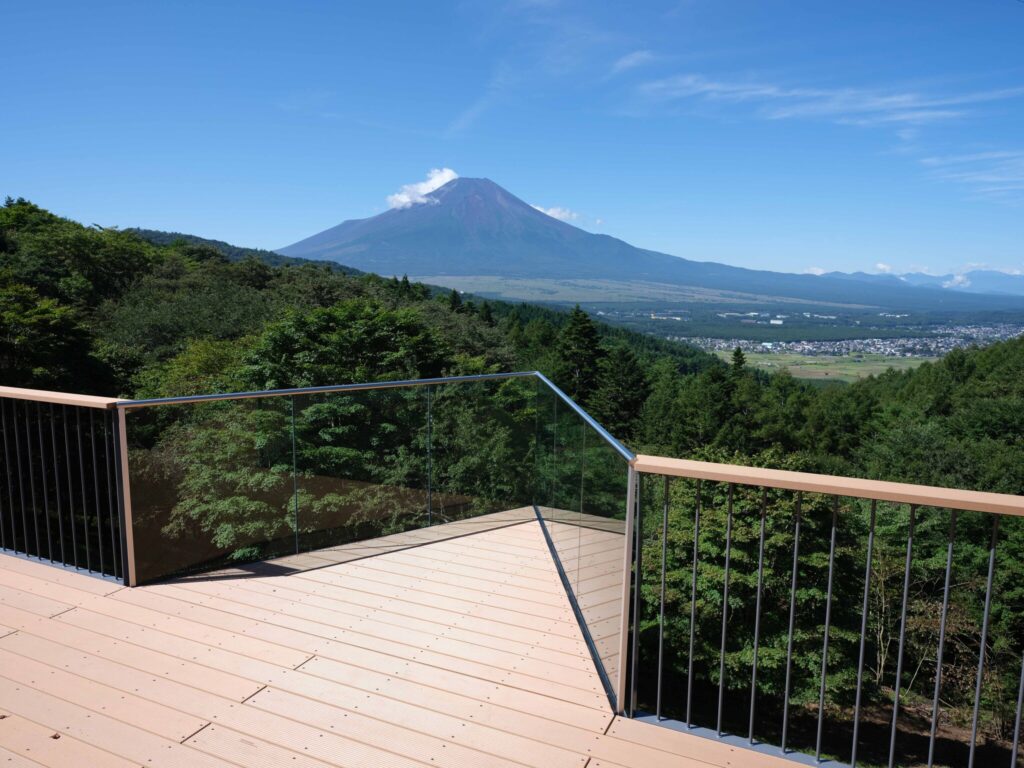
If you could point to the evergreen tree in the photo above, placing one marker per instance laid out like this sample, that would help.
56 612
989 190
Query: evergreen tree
455 301
622 390
579 353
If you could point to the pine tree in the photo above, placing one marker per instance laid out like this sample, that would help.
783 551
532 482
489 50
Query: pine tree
621 392
455 301
579 353
739 362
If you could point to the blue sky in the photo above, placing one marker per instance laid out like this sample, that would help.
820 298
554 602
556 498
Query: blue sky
782 135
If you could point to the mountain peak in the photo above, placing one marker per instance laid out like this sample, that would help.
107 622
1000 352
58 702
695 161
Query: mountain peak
472 227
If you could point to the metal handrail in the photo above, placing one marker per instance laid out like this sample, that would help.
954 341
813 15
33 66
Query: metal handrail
627 454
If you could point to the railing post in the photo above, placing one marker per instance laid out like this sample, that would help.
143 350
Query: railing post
627 568
125 489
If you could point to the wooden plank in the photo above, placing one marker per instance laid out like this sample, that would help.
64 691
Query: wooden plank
144 617
447 681
205 678
58 398
100 730
901 493
36 744
79 581
402 740
245 749
203 705
627 737
441 659
11 760
480 632
128 708
481 719
172 645
26 601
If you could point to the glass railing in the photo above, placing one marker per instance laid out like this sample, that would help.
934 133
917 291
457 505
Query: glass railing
581 496
268 482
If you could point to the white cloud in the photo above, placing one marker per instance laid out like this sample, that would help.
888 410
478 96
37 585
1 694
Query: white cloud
416 193
562 214
996 174
885 269
958 281
814 271
852 106
632 61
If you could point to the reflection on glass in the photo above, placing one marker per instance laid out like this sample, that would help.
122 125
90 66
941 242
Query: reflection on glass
211 484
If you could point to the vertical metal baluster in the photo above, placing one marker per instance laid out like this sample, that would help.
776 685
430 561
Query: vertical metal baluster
863 633
757 614
725 608
21 479
636 598
7 467
46 480
661 614
1016 722
56 483
71 490
984 640
942 639
295 474
792 620
32 485
828 627
693 608
96 488
111 506
903 637
430 459
85 503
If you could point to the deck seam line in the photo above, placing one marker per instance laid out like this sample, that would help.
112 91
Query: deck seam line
196 732
258 690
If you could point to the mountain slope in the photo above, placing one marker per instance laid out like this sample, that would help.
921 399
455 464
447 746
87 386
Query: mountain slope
475 227
233 252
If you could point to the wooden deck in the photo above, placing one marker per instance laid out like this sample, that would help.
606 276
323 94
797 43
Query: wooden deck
458 652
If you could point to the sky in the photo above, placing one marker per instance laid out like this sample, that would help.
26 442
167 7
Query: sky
793 135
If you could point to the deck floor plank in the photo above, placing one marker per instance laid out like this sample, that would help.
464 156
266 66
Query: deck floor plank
449 646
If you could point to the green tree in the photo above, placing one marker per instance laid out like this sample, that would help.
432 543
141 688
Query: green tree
579 353
622 390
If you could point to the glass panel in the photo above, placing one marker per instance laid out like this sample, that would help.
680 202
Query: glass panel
361 461
561 469
211 485
582 498
482 454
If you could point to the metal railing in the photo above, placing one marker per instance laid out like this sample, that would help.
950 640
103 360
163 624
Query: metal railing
740 548
61 474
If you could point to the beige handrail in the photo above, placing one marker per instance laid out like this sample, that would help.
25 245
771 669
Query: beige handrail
58 398
904 493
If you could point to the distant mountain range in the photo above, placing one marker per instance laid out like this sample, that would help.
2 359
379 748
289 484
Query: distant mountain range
475 228
987 281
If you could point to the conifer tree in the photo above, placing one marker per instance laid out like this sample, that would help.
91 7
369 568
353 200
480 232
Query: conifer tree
579 353
622 390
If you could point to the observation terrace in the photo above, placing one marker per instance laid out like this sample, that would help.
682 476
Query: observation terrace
472 572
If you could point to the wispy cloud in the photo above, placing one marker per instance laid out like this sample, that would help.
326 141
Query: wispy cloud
557 212
884 268
853 106
998 174
814 271
416 193
632 61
